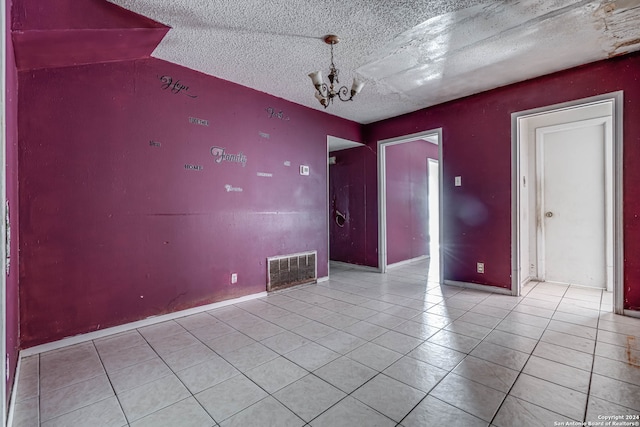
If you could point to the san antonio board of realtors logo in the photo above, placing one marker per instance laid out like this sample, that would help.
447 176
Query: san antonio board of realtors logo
220 155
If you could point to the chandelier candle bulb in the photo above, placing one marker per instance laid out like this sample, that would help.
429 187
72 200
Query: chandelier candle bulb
316 78
356 87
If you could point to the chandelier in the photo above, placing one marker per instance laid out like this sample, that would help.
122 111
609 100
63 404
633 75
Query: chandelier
325 94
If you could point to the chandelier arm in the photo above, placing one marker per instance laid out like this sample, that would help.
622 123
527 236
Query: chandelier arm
344 94
323 90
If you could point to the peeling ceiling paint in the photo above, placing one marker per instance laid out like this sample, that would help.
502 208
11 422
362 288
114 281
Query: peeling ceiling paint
412 54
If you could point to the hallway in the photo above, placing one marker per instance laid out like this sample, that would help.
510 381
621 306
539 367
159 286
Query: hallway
362 349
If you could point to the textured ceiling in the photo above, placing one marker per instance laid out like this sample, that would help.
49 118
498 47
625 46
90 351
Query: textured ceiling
411 54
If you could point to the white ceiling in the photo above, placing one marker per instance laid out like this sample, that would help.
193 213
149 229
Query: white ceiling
412 54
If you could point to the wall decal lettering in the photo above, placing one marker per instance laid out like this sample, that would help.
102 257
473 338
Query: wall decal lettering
264 135
231 189
193 167
155 144
265 174
276 115
196 121
219 156
174 87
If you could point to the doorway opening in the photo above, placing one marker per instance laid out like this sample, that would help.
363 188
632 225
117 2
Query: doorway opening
567 195
432 200
343 192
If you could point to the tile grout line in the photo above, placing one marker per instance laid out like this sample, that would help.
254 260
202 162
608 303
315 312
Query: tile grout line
526 362
593 362
93 344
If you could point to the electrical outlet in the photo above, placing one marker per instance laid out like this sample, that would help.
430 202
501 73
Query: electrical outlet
234 278
480 267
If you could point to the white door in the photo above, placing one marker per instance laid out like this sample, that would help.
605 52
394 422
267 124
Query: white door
573 206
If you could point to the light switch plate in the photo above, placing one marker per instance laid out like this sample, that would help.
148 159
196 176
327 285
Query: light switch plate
458 181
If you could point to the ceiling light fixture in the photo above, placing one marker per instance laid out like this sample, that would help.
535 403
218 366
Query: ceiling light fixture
325 94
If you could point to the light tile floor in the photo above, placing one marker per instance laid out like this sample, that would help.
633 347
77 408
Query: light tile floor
362 349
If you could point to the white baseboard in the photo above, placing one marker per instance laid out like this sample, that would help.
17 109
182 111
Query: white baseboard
632 313
65 342
407 261
486 288
322 279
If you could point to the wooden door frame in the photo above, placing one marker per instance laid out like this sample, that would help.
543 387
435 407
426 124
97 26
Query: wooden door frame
616 99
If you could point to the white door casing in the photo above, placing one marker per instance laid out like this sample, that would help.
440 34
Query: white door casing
524 213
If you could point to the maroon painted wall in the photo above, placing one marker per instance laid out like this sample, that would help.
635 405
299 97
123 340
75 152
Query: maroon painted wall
407 199
477 146
117 223
11 106
75 14
348 189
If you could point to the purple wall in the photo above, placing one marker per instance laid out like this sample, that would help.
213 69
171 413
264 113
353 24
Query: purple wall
61 33
477 146
115 228
348 191
407 199
11 106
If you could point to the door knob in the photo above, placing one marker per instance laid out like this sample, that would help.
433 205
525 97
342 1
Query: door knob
548 214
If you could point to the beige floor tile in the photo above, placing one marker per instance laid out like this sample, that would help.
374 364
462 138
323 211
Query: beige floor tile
127 357
26 413
517 412
267 412
312 356
151 397
350 412
207 374
389 396
196 321
506 357
486 373
309 396
341 342
470 396
374 356
558 373
161 330
575 358
139 374
434 412
346 331
105 413
250 356
230 397
64 400
276 374
552 397
397 342
598 408
185 413
345 374
188 356
437 355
